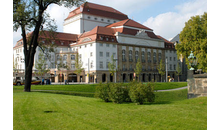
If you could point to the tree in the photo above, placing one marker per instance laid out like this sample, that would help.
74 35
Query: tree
78 64
161 69
178 71
112 66
29 15
193 37
41 66
138 69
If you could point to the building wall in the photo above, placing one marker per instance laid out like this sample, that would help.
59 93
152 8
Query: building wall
73 25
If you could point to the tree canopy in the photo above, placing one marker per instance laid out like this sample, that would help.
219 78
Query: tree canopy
193 37
30 15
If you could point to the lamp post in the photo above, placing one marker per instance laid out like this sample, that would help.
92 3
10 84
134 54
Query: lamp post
192 61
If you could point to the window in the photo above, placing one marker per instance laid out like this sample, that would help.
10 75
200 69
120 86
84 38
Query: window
170 58
72 66
101 65
61 43
85 46
91 44
106 39
114 55
154 57
136 56
108 20
114 45
91 54
64 57
174 67
170 67
123 55
130 67
107 45
113 39
107 54
149 57
174 58
101 37
107 64
159 57
100 44
95 18
88 17
102 19
130 55
91 64
142 56
101 54
123 67
114 21
72 57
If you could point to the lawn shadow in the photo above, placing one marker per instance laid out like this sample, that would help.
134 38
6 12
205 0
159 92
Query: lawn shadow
49 111
157 103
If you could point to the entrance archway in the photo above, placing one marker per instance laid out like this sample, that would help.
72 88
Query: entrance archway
143 77
103 77
72 77
61 78
131 76
149 77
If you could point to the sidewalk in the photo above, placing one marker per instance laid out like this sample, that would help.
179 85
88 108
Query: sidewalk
63 83
171 89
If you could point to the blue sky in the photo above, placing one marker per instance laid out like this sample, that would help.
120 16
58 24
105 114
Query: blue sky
165 17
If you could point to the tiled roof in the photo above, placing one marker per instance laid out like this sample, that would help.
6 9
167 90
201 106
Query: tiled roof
164 39
59 37
130 23
98 10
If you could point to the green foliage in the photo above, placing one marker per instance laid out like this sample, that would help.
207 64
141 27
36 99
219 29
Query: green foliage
150 92
78 64
193 37
138 68
112 66
118 93
102 91
161 68
40 65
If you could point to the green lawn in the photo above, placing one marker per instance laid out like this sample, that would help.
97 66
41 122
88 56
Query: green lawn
45 111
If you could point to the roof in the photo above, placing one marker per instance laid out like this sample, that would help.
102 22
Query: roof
167 44
59 37
107 35
130 23
98 10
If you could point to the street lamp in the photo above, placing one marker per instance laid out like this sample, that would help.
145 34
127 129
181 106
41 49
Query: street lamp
192 61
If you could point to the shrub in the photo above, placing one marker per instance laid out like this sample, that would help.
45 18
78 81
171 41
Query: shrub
137 93
102 91
150 92
119 93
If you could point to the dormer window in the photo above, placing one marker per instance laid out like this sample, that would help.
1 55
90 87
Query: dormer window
88 17
108 20
88 10
61 43
102 19
113 39
101 37
95 18
106 39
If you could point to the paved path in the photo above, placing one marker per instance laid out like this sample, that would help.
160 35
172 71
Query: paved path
171 89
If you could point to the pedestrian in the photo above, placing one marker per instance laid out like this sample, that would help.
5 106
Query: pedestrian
42 81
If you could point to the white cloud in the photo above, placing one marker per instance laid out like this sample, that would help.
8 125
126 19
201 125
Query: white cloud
169 24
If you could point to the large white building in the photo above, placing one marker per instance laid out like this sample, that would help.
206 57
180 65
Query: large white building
96 32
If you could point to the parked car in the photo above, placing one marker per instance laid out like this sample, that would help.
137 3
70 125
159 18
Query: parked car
20 81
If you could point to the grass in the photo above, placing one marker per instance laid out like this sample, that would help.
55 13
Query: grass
88 90
171 110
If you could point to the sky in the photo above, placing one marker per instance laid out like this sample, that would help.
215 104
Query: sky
166 17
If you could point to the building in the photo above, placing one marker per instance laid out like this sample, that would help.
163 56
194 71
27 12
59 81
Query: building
96 32
182 61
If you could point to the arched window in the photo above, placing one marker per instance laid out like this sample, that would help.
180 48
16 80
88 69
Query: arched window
154 57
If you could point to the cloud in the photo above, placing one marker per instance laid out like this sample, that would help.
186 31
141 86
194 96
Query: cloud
169 24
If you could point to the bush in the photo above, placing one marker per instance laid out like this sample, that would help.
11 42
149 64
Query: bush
119 93
140 92
150 92
102 91
137 93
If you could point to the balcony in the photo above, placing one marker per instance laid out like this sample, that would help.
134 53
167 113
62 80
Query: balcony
123 60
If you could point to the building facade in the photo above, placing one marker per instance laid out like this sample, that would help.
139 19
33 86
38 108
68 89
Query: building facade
95 33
